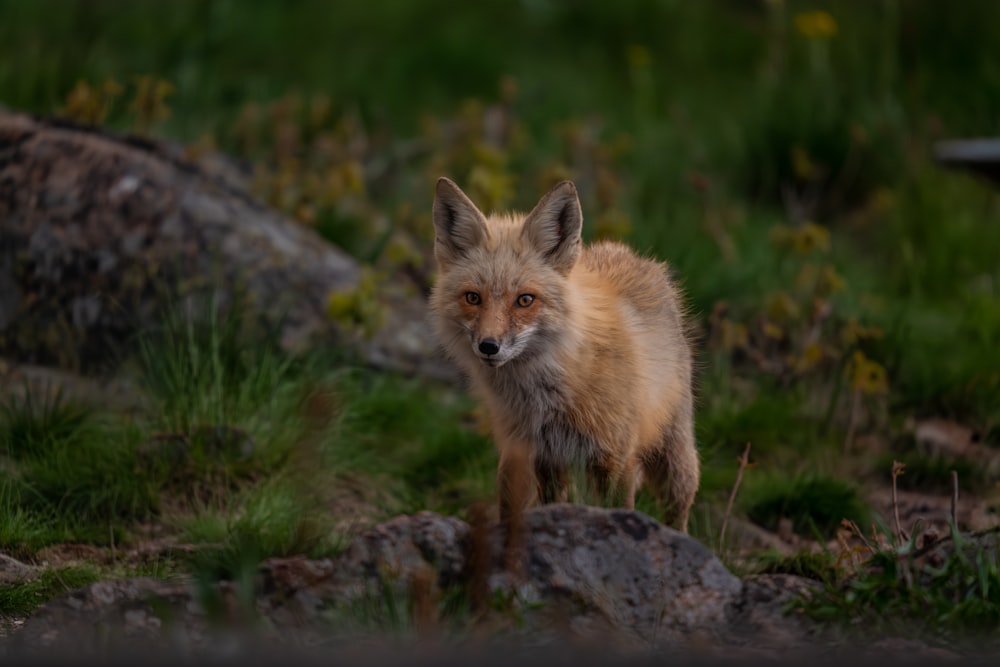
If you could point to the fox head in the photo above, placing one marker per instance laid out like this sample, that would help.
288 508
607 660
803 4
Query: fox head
502 290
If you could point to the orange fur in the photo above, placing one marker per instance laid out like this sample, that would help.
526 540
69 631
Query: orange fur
581 354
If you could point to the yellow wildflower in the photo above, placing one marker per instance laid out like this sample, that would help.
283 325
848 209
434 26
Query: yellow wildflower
802 165
782 308
488 155
868 376
773 331
853 332
805 239
811 356
612 224
358 309
882 201
552 174
149 104
734 335
816 25
492 186
830 282
780 236
638 56
401 252
306 214
91 104
354 176
811 237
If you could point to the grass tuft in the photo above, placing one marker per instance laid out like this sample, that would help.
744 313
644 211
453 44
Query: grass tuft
954 601
34 419
22 598
814 504
819 566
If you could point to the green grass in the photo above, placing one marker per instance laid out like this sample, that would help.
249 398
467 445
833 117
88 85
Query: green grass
274 518
814 504
274 521
19 599
932 474
228 452
414 439
32 423
22 530
820 566
69 472
215 368
955 603
264 480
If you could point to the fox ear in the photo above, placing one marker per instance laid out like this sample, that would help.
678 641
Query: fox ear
555 225
458 224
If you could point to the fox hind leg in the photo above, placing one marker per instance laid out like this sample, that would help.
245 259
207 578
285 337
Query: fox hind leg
673 473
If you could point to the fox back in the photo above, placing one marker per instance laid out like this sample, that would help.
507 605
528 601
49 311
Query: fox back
580 353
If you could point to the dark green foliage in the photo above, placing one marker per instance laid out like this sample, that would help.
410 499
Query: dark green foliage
70 472
90 480
211 365
815 504
955 602
771 421
807 144
21 598
30 422
932 474
820 566
419 437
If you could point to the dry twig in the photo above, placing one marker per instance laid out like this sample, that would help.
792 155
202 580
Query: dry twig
954 498
853 528
852 420
897 470
744 461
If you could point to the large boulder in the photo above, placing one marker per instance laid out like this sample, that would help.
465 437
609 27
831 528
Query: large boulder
99 233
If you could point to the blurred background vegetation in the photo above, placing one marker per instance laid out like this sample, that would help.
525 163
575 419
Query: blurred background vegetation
777 153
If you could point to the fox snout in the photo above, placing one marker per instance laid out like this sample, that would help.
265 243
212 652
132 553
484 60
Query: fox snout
489 346
491 351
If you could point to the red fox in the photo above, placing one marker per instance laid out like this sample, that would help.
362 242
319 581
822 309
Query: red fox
581 354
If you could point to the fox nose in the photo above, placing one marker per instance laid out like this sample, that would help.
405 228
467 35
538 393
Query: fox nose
489 346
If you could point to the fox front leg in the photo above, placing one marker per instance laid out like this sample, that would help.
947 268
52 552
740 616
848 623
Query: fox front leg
515 481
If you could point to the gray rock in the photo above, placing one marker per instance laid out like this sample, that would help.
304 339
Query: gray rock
759 615
401 548
581 574
14 571
127 610
98 233
620 570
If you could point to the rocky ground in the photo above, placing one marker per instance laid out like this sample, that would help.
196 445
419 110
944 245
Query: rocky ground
600 582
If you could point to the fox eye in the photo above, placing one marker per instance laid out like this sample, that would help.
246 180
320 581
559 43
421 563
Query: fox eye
473 298
525 300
